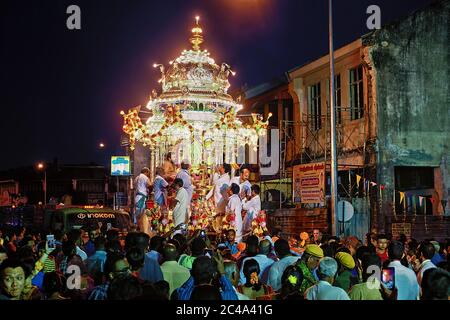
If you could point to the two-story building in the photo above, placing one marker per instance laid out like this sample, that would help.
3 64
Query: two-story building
392 123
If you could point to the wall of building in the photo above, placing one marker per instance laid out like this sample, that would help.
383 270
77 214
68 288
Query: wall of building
351 134
411 66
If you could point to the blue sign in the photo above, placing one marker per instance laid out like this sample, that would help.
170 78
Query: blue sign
120 166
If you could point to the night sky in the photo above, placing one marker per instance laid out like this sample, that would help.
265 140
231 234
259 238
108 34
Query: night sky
62 90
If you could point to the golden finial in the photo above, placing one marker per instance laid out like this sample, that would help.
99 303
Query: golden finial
197 38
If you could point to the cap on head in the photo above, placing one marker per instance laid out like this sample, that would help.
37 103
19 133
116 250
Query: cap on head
314 250
345 259
327 267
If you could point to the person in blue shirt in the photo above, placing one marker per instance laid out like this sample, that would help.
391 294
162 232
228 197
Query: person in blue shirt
437 258
89 246
203 273
160 188
150 271
156 245
230 242
96 262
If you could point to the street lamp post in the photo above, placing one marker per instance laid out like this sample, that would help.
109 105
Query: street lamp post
334 194
42 167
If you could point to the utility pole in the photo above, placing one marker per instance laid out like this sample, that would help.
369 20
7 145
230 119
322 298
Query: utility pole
334 193
45 187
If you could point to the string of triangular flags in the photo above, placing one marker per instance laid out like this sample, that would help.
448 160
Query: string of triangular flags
367 184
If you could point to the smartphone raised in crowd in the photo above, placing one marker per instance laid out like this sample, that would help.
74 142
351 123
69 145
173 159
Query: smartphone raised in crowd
51 241
388 278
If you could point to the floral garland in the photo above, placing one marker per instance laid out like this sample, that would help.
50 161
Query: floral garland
202 211
154 214
229 222
259 224
165 224
158 221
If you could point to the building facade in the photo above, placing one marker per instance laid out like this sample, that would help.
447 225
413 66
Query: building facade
392 99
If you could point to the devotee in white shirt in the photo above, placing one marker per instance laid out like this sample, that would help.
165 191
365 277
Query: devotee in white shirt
180 211
141 184
186 177
426 251
215 175
405 278
324 290
252 206
235 207
243 183
223 178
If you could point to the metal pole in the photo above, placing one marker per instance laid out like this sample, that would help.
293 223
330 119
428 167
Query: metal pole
334 194
45 188
117 194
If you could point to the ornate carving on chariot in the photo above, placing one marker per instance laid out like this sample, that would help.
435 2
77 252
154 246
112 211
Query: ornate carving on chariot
193 111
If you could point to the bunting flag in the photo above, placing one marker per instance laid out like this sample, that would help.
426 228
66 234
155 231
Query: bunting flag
420 201
402 197
373 184
358 178
444 204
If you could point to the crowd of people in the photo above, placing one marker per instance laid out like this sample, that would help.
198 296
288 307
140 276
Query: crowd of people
98 265
233 263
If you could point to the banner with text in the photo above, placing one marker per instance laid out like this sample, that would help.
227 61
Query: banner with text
309 183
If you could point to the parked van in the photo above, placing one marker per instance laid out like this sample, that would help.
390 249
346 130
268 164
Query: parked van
69 218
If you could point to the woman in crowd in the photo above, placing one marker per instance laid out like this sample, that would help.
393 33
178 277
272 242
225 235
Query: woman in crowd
290 284
253 288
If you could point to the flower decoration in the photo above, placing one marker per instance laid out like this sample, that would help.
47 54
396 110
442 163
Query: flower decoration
201 214
154 214
259 224
165 225
303 236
